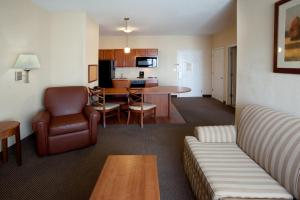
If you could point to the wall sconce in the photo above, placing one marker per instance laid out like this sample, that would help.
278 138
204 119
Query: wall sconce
27 62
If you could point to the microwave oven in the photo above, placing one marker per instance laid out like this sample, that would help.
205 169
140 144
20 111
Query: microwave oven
146 62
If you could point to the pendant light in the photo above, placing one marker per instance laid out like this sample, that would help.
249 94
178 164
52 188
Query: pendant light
127 48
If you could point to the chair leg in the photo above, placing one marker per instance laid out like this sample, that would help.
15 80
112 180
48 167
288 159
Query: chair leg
142 119
119 115
128 117
154 113
104 120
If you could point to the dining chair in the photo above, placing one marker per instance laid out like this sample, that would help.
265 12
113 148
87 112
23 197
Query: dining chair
136 104
121 98
97 100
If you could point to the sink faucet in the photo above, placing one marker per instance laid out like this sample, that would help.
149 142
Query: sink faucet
121 75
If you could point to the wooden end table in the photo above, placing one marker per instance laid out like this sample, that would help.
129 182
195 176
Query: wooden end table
7 129
128 177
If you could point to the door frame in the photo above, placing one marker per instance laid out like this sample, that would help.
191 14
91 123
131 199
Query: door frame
212 64
228 76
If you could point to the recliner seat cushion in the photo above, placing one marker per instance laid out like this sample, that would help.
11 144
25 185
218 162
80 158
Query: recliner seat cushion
67 124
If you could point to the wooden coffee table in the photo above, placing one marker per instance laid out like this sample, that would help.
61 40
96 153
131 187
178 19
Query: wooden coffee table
128 177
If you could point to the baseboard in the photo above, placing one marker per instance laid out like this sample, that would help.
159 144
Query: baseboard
206 95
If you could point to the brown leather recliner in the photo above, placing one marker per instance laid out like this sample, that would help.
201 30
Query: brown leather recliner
67 123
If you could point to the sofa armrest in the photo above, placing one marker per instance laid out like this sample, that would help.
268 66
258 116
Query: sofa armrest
40 124
216 134
93 117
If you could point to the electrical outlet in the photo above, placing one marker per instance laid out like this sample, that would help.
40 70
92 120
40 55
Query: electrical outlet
18 76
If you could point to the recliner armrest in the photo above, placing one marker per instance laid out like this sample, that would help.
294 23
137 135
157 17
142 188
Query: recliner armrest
40 125
42 117
93 117
91 113
216 134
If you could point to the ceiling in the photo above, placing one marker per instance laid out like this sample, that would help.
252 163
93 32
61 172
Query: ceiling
153 17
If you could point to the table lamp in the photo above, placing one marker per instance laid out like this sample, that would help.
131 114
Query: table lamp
27 62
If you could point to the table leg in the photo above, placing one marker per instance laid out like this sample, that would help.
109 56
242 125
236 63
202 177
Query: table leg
18 146
4 150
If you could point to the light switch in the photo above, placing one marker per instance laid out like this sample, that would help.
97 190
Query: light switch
18 76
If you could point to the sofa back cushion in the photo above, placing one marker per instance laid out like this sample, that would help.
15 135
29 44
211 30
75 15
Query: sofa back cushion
272 139
65 100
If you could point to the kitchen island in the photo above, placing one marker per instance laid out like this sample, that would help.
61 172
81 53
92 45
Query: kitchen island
160 96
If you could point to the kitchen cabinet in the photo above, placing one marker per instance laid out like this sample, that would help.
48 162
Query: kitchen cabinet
141 52
121 83
152 52
106 54
119 58
126 60
130 58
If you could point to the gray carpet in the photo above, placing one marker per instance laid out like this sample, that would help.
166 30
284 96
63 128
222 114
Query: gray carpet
72 175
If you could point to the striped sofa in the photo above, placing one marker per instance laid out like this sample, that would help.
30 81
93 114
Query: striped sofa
260 159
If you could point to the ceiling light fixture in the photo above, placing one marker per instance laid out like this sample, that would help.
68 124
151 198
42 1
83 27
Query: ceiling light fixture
127 31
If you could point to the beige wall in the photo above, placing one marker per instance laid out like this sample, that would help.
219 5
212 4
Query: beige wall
67 40
225 39
256 83
24 28
74 40
168 47
91 47
65 43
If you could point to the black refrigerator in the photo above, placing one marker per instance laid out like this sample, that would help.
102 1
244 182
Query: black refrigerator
106 73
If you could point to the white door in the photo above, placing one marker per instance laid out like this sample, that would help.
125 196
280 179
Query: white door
218 74
189 72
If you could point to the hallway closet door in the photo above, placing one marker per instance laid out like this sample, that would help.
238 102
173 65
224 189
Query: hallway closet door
218 63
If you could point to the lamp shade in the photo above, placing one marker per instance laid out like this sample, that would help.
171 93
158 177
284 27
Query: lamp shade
27 62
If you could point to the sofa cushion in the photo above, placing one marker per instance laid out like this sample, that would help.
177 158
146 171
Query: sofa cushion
216 134
231 173
272 139
67 124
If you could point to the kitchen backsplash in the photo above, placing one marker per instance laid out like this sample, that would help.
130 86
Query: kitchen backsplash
133 72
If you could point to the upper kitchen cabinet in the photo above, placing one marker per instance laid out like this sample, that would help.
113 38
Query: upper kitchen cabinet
141 52
130 58
119 58
152 52
126 60
106 54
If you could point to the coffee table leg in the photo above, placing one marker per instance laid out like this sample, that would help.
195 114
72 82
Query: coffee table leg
18 146
4 150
